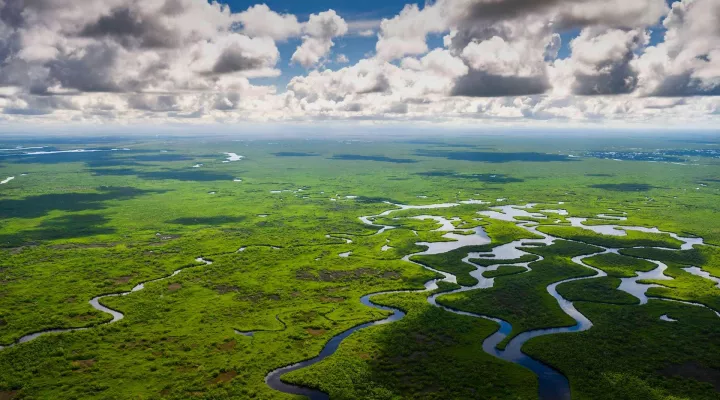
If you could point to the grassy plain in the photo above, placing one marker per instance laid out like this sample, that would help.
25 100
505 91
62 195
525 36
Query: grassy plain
77 225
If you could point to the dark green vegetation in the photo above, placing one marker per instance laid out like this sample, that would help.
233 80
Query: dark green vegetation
504 270
77 225
358 157
430 354
624 187
451 262
600 290
92 198
493 157
500 232
489 178
632 238
686 286
294 154
619 266
492 261
220 219
631 354
522 299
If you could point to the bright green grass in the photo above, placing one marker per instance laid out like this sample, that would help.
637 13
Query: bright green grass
632 239
619 266
85 224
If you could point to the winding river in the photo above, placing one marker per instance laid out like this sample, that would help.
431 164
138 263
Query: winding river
95 303
552 385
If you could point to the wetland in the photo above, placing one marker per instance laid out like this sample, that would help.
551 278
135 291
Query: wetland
382 269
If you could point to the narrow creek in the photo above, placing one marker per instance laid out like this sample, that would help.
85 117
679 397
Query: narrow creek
552 385
95 303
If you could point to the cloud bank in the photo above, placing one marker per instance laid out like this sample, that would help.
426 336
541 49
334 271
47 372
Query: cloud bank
122 61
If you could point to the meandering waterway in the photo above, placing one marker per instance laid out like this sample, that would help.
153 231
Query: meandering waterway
552 385
95 303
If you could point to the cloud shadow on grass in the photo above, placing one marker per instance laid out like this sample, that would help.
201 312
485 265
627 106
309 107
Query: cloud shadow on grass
487 178
216 220
65 227
358 157
624 187
438 143
435 351
105 158
369 199
180 175
493 157
295 154
37 206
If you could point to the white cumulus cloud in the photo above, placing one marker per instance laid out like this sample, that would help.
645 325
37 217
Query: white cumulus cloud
260 20
193 60
319 31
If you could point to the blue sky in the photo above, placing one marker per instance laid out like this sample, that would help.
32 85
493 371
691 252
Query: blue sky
355 47
350 10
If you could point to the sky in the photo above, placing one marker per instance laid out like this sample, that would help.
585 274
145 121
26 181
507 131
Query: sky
453 63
